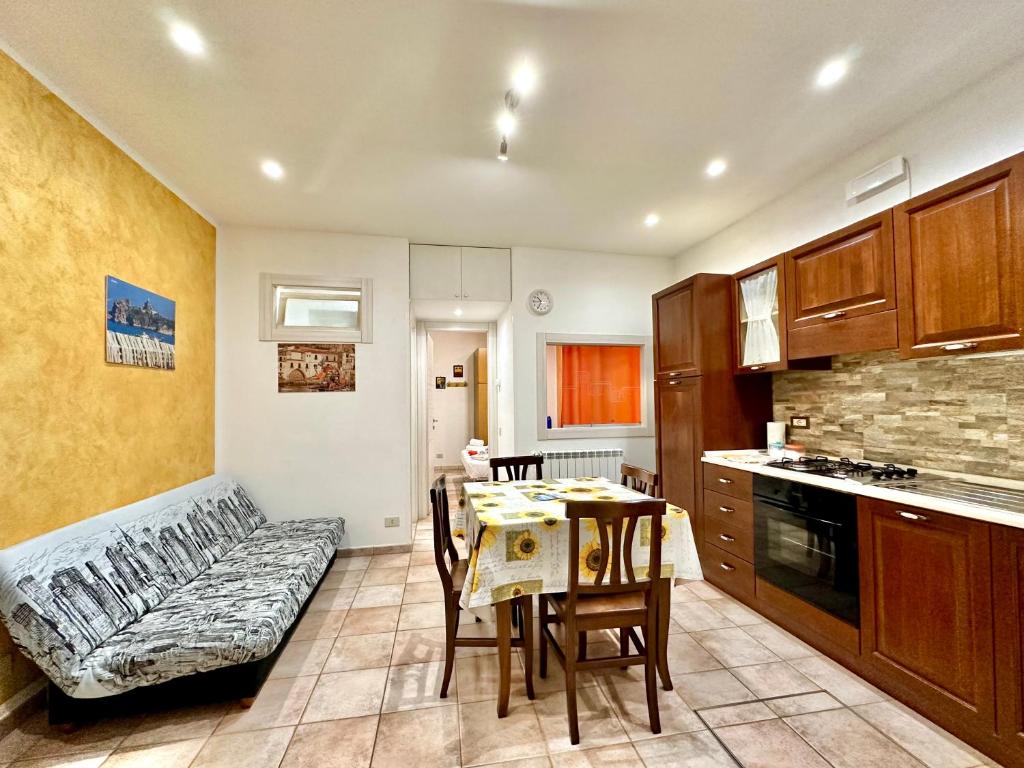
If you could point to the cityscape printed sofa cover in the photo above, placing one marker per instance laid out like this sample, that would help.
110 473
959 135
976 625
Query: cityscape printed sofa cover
202 584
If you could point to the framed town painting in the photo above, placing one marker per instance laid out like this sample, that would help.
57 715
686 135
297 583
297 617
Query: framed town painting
316 367
140 326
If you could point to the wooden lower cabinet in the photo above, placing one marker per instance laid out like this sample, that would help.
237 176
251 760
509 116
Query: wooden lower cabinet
926 609
677 405
1008 591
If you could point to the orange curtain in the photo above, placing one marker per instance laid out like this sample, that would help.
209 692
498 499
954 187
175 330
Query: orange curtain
599 384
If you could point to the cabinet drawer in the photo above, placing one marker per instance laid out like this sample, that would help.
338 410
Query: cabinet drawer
738 513
728 572
737 483
734 539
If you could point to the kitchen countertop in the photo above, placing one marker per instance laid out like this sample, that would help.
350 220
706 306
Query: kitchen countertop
750 461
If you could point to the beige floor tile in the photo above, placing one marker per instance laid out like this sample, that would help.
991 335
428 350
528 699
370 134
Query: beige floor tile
376 577
343 579
555 681
421 558
775 679
332 600
279 703
716 688
698 616
177 754
258 749
423 592
529 762
470 628
14 744
421 545
376 597
733 647
847 741
736 612
779 641
615 756
802 704
417 686
360 652
333 744
414 646
302 657
423 573
769 744
686 750
400 560
598 724
105 735
426 738
339 695
705 591
478 677
84 760
368 621
186 723
487 739
422 616
926 742
629 702
734 714
682 594
844 685
686 655
319 625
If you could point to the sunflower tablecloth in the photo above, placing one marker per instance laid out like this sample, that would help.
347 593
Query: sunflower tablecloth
518 537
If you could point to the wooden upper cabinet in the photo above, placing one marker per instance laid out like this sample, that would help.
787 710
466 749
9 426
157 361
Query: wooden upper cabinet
926 608
841 291
758 315
960 264
675 342
1008 572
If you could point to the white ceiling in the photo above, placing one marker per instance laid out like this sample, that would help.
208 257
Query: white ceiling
382 111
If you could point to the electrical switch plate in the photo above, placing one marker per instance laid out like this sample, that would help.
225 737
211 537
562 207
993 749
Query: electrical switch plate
800 422
390 522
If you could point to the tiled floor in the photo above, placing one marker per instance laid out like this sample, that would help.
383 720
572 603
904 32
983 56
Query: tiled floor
357 687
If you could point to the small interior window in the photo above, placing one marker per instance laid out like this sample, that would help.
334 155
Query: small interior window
313 308
594 385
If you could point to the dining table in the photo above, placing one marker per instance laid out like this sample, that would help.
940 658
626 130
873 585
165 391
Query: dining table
517 538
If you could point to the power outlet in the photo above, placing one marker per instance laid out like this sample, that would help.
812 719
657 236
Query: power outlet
390 522
800 422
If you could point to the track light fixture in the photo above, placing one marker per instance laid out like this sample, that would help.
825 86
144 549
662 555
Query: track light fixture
503 150
524 80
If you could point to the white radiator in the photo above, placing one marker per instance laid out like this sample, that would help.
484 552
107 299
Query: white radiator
604 462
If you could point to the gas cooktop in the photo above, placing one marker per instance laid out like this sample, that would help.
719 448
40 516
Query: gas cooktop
846 469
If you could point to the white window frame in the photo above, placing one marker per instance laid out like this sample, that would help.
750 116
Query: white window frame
270 330
646 426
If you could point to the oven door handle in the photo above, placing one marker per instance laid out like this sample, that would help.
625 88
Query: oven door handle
791 511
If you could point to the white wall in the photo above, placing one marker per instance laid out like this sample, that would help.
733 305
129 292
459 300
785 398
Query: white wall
974 128
317 454
454 407
504 443
591 293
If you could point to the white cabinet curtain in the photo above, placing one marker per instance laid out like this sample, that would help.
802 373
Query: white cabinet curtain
760 298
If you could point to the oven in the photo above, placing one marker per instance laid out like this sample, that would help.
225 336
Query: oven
805 543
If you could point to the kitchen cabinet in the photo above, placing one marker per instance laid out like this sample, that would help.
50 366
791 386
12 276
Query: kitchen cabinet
758 301
926 609
675 344
446 272
1008 591
841 291
960 264
677 413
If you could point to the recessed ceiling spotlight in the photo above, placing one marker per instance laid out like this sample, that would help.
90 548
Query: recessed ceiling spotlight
272 169
506 123
503 150
716 167
651 220
833 71
187 38
458 311
524 79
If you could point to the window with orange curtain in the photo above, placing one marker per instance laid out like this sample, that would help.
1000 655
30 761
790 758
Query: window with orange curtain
591 384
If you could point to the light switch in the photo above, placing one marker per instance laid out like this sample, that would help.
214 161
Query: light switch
800 422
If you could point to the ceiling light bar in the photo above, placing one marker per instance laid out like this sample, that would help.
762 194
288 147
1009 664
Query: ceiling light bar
524 80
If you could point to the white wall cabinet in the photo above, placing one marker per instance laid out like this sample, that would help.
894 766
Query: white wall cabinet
453 272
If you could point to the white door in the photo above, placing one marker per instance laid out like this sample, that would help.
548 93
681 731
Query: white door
435 272
487 274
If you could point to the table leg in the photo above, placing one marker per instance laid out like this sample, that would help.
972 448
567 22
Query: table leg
503 619
664 607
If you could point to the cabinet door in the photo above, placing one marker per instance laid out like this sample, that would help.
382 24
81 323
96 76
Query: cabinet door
960 264
435 272
675 339
487 274
1008 572
678 413
760 330
926 608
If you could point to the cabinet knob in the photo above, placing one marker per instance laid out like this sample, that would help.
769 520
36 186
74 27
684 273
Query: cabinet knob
833 315
458 296
726 509
725 481
912 516
959 345
727 567
726 537
756 367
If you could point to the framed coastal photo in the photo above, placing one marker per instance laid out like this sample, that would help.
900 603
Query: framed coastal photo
457 371
140 326
316 367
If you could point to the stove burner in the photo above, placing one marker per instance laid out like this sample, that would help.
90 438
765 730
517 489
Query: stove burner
845 468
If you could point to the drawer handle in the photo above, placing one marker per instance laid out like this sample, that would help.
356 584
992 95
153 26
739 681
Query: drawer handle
833 315
959 345
912 516
726 537
725 481
726 509
727 567
756 367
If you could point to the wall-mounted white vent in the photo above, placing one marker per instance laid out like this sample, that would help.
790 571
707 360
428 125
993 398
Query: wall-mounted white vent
602 462
875 180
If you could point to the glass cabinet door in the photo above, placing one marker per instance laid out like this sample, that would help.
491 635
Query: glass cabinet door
757 297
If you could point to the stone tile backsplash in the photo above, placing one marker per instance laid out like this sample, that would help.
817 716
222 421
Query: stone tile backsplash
963 414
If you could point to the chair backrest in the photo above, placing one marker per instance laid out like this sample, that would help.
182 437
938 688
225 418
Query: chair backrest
517 467
443 544
641 480
609 561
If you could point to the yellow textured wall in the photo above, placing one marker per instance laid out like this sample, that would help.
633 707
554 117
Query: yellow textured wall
79 436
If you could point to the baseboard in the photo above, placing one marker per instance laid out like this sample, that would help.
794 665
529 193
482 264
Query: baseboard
22 705
388 549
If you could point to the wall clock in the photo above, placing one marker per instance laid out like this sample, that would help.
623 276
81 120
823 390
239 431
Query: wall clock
539 302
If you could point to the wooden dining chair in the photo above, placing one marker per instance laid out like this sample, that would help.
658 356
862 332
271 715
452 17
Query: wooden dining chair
453 571
611 597
517 467
640 480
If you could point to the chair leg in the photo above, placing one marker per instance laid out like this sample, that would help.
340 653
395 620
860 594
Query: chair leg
543 636
526 633
624 642
650 634
570 685
582 636
451 629
664 606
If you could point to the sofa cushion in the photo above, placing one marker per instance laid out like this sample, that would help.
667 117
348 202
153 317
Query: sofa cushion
236 612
